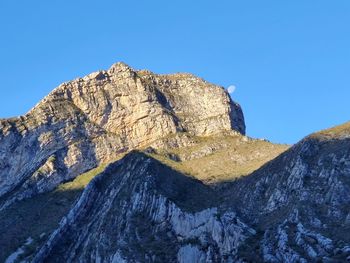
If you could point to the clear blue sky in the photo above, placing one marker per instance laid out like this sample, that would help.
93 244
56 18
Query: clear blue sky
290 60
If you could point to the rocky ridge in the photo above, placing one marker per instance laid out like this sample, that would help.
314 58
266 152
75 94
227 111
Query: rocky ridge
91 120
300 200
129 197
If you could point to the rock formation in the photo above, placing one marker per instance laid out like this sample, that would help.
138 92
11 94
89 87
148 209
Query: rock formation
90 120
188 186
139 210
301 200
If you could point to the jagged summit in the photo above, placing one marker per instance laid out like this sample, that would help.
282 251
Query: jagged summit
176 93
90 120
120 66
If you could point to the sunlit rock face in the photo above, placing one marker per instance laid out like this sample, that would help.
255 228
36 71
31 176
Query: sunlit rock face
90 120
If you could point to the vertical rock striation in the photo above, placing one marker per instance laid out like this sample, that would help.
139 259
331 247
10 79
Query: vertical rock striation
139 210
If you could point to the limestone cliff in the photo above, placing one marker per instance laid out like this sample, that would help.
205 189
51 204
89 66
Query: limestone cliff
90 120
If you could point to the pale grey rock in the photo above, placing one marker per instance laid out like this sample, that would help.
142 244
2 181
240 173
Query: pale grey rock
189 253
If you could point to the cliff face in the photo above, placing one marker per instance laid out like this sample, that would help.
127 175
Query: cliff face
90 120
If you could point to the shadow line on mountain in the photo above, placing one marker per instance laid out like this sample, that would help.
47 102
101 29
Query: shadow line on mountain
32 218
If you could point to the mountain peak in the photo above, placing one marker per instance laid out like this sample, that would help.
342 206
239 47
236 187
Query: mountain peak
119 67
92 119
190 188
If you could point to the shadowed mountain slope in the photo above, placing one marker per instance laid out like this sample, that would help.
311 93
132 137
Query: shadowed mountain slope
139 210
301 200
212 159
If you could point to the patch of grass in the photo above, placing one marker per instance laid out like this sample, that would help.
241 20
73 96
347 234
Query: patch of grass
82 180
333 132
52 159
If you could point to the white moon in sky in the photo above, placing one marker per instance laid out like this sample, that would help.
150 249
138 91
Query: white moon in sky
231 88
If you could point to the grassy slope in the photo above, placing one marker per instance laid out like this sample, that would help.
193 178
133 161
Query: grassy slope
334 132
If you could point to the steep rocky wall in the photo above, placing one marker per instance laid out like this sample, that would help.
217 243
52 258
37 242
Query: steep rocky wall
90 120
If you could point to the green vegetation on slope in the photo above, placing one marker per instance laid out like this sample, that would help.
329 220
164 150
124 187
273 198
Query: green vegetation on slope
39 216
334 132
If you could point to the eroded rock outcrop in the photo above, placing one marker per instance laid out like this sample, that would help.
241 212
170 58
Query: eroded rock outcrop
90 120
